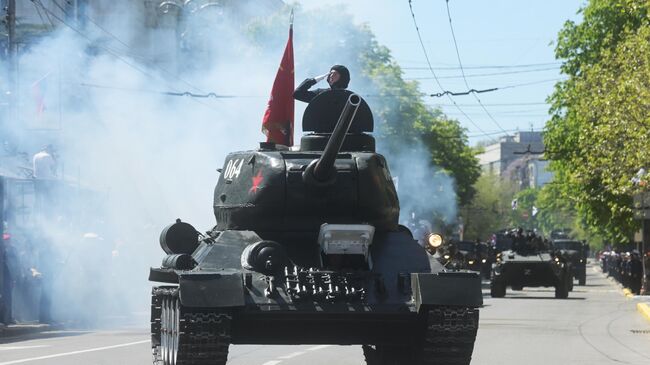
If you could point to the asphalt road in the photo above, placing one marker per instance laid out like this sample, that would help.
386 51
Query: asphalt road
596 325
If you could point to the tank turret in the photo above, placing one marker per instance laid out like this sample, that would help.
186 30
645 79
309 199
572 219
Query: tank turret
323 171
335 176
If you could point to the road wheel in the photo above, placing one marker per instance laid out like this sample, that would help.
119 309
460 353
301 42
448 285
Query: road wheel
497 289
582 281
186 337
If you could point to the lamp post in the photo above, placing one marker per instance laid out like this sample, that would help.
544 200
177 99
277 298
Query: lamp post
642 212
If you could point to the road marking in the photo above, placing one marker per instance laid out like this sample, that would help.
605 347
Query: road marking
273 362
76 353
315 348
292 355
7 348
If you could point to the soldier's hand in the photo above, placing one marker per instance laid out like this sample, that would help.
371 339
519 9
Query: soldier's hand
322 77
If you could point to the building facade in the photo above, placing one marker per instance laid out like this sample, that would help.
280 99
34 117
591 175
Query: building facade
519 158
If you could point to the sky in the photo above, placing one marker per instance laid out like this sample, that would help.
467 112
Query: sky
488 33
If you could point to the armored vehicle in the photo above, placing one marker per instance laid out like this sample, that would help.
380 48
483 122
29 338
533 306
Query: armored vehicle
576 253
466 255
307 249
529 264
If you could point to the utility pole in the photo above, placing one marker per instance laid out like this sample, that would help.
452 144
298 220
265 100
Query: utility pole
12 58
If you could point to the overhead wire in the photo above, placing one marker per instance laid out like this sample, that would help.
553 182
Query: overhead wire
426 56
485 74
462 71
483 67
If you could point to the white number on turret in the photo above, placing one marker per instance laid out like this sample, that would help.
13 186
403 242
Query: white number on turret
233 169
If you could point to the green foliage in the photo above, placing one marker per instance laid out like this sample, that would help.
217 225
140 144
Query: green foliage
490 209
598 134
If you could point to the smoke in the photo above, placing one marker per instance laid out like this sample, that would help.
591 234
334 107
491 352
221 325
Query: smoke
426 192
134 160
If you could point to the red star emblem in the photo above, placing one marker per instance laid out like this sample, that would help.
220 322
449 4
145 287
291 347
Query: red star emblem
257 180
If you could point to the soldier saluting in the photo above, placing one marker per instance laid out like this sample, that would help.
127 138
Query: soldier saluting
338 78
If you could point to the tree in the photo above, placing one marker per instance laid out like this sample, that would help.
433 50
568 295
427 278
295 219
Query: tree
597 137
490 209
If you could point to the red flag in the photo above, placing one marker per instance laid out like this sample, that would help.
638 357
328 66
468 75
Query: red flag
39 89
277 123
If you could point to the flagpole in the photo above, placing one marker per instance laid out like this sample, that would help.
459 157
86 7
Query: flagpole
291 20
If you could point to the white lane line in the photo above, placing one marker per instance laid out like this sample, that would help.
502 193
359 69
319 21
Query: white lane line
273 362
291 355
75 353
7 348
315 348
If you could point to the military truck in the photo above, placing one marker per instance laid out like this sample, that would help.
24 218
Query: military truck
576 253
307 249
530 264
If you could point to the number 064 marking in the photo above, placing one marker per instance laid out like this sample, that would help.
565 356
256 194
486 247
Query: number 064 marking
233 169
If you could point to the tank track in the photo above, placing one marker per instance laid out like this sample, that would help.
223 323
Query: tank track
450 336
448 340
185 337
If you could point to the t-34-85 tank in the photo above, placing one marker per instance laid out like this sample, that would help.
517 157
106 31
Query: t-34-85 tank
307 250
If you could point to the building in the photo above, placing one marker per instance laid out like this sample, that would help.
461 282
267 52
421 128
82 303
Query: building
518 157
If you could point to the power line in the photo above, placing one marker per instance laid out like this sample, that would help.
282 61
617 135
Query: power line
462 71
558 64
461 93
169 93
485 74
498 104
426 56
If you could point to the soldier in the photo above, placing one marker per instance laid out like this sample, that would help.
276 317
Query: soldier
636 273
338 78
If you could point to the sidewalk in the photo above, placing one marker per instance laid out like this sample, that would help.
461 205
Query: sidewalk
16 330
643 305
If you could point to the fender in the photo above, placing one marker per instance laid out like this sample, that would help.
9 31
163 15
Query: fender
460 288
218 290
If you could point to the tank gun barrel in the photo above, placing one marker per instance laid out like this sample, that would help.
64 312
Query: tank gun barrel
323 170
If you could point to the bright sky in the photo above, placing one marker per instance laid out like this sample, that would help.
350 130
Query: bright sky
488 33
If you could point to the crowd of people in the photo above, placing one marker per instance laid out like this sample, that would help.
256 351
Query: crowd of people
626 267
58 259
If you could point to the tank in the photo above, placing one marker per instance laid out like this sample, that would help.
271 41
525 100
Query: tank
529 263
307 249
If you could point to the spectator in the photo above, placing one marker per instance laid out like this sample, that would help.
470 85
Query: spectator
44 164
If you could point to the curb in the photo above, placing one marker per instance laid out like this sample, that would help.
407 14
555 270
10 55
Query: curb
22 330
628 293
644 309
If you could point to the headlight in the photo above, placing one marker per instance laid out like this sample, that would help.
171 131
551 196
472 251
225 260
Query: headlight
581 260
471 262
446 257
484 261
434 240
557 259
